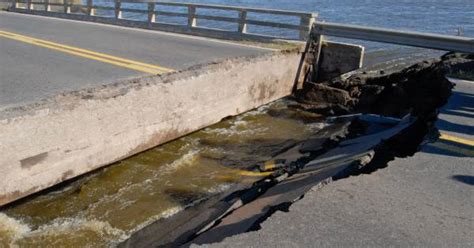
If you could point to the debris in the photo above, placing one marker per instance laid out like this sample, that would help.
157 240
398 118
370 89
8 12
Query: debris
381 116
399 108
417 89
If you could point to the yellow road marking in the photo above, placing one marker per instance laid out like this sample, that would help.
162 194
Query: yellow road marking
130 64
253 173
269 165
455 139
236 174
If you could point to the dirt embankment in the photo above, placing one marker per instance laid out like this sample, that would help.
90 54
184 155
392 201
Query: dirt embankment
419 89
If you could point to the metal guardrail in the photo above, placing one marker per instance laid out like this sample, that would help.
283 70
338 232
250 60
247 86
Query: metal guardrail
310 66
416 39
151 12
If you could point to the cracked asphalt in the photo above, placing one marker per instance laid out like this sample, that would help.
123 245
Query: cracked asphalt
426 200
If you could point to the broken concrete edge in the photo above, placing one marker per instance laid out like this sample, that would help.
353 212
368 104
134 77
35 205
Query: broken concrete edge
253 222
403 144
406 143
250 216
256 212
67 99
59 138
213 220
181 227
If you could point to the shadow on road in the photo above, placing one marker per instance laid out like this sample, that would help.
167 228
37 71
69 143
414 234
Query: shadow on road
444 125
469 180
460 105
453 120
447 148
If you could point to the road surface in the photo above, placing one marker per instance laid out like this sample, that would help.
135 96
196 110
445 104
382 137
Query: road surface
41 56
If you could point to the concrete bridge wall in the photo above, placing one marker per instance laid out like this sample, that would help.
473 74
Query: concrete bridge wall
62 137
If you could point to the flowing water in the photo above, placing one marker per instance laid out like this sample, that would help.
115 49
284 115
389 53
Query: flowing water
104 207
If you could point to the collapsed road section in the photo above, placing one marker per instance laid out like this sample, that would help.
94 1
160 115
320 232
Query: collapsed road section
222 180
350 144
400 110
212 183
358 214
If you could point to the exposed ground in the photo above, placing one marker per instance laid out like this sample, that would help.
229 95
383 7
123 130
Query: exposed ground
418 89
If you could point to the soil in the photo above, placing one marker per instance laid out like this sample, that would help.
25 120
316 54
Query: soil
418 89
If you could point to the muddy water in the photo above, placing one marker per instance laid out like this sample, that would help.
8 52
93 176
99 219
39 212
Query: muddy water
104 207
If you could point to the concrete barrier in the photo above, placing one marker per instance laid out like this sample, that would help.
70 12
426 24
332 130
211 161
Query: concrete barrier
323 60
59 138
339 58
4 5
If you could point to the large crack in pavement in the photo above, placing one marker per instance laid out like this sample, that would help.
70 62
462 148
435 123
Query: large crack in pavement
418 91
372 118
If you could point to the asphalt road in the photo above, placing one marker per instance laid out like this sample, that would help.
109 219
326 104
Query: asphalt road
422 201
30 72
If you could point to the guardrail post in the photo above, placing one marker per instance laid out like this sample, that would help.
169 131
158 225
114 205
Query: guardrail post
15 4
192 16
310 59
90 7
306 22
118 11
242 22
67 7
151 13
318 42
47 7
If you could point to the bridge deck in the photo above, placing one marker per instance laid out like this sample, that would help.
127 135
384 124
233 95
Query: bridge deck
30 72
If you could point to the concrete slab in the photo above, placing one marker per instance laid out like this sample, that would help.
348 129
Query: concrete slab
339 58
56 139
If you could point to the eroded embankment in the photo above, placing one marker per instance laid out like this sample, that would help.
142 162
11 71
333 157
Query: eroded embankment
418 91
